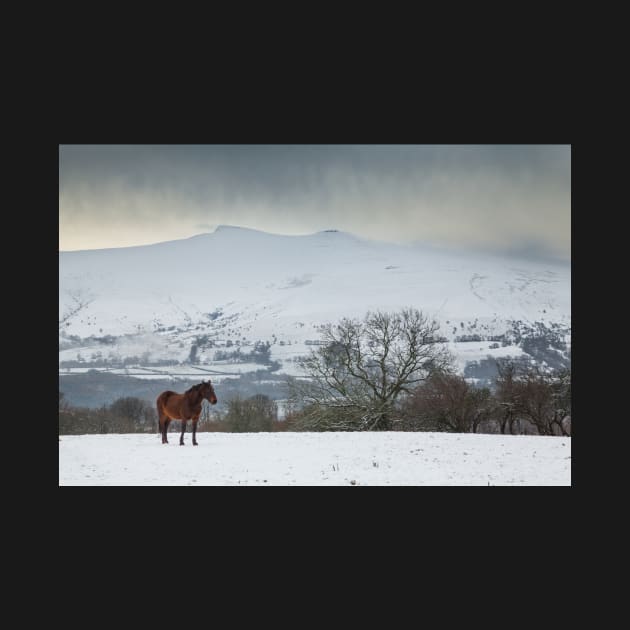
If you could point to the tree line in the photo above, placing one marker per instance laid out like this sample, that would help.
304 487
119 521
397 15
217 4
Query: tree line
125 415
135 415
524 400
391 371
385 372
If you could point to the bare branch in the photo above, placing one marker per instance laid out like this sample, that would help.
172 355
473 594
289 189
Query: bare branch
365 366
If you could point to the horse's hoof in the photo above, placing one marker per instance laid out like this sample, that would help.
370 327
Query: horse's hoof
195 444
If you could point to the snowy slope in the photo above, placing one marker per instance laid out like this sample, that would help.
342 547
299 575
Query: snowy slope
273 459
246 285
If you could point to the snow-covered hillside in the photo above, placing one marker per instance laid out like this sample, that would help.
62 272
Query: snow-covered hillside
346 459
181 301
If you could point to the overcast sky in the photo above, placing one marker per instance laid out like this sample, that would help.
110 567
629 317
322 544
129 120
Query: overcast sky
508 198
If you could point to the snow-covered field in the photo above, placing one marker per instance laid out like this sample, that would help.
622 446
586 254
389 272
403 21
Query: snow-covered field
307 459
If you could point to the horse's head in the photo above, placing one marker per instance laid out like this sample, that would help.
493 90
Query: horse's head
207 391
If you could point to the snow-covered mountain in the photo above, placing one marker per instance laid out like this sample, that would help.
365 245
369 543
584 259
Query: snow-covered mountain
182 301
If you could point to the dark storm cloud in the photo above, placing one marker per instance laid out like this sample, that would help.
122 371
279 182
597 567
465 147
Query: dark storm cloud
509 198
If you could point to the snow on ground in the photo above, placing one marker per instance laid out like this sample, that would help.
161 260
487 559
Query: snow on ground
308 459
466 352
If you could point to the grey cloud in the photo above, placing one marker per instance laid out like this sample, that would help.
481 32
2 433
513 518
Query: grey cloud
495 197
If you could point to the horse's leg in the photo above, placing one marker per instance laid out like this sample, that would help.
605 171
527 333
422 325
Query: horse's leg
195 420
167 421
181 437
159 417
161 423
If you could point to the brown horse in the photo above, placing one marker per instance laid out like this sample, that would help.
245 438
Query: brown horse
184 407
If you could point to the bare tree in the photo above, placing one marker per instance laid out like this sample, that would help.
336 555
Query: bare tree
357 376
561 393
446 402
63 401
530 396
256 413
507 396
546 400
137 412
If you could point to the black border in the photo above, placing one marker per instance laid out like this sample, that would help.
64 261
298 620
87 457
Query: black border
379 112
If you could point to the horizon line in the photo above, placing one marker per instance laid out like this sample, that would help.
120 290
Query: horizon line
517 253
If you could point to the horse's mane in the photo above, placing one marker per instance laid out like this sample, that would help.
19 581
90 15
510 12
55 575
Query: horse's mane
194 388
